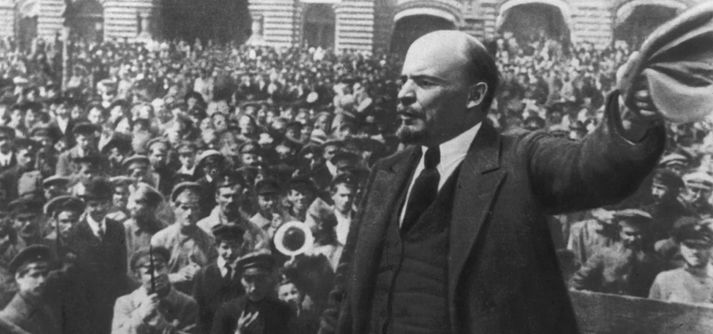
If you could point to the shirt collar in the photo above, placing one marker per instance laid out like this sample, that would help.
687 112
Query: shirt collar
95 225
457 147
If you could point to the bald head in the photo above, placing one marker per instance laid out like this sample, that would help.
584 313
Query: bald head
449 83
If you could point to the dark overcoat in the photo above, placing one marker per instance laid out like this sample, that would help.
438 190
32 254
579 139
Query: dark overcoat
503 275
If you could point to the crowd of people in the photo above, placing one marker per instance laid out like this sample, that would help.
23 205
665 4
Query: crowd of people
145 192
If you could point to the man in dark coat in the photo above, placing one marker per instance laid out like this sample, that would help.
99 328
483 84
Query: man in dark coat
258 312
100 246
480 258
218 282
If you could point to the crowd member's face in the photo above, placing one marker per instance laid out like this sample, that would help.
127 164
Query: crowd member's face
249 159
283 152
299 199
256 283
695 256
5 144
436 89
187 209
246 125
97 208
343 198
62 110
187 158
138 206
115 156
120 196
699 194
25 158
229 250
65 220
33 280
96 116
220 123
16 116
228 199
329 152
631 235
158 155
116 112
659 192
85 142
86 172
160 274
289 294
31 118
267 204
26 225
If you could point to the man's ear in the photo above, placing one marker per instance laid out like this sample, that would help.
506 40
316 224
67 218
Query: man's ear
477 94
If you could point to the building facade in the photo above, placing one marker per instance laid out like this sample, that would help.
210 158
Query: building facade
362 25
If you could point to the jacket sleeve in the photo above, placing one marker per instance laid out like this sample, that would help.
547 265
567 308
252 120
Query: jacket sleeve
601 169
337 307
589 276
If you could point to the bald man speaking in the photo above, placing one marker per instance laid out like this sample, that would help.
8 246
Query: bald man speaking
451 236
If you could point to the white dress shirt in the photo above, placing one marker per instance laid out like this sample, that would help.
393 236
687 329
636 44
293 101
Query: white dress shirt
342 228
5 159
452 154
98 228
223 268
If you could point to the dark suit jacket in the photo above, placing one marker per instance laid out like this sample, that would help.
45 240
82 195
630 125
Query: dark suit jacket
275 316
210 291
101 266
503 275
35 317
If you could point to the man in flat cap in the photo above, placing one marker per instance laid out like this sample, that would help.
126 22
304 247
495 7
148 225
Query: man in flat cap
666 206
219 282
7 154
86 145
191 247
691 283
157 151
28 310
210 164
268 193
25 154
27 220
100 246
626 267
230 193
143 202
186 151
54 186
63 121
63 212
299 195
699 186
154 307
258 311
675 162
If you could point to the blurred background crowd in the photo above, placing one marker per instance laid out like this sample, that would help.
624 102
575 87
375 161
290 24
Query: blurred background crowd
192 175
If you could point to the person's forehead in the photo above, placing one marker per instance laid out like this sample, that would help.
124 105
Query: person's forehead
436 56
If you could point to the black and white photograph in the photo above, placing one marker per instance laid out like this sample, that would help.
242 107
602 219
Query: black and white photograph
356 166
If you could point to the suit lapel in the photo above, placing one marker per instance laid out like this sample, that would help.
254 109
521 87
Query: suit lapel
478 182
387 184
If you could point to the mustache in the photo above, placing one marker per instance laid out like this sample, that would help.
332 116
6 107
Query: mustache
408 111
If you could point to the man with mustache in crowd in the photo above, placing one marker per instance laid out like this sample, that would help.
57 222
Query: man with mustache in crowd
452 237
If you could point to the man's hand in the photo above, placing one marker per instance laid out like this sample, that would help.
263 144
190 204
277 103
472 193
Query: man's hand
149 307
639 113
245 321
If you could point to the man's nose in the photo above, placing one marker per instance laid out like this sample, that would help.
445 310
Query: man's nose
406 95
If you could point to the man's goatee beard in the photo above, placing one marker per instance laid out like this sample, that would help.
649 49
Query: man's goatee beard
409 136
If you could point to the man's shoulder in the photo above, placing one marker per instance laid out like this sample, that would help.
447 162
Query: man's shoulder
394 158
671 276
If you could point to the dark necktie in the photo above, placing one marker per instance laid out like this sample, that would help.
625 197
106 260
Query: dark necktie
228 273
424 190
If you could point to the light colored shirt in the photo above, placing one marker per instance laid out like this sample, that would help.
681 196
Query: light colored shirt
178 313
342 228
680 285
5 159
223 267
254 238
98 228
452 152
195 247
